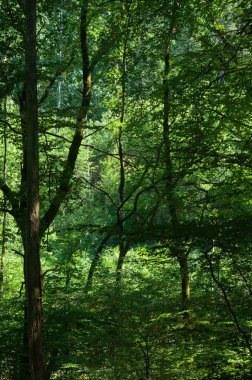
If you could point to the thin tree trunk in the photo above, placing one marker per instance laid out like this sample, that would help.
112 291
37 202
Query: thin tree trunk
65 178
177 247
242 332
146 355
123 246
185 281
123 249
32 255
94 264
4 221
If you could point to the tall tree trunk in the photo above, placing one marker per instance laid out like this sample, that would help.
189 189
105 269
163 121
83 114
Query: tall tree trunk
123 246
120 211
178 246
32 255
28 105
4 221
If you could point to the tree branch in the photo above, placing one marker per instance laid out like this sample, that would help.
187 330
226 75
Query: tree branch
228 304
10 195
67 173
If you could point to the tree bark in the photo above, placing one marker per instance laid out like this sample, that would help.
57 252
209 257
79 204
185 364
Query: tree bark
32 255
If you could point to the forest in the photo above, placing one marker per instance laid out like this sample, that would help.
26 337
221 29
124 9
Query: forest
125 190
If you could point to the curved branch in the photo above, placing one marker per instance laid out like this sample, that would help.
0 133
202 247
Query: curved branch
229 306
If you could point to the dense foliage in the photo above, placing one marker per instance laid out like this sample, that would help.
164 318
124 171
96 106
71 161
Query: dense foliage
145 188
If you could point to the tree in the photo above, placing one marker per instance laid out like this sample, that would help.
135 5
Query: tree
32 243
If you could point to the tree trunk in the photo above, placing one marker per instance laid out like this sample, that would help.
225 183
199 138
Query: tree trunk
120 210
66 176
32 256
123 249
29 187
4 221
185 281
23 367
178 244
94 264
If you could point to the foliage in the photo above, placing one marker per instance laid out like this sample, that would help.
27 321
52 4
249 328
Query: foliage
191 60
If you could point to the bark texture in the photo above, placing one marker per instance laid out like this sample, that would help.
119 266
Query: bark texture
32 256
